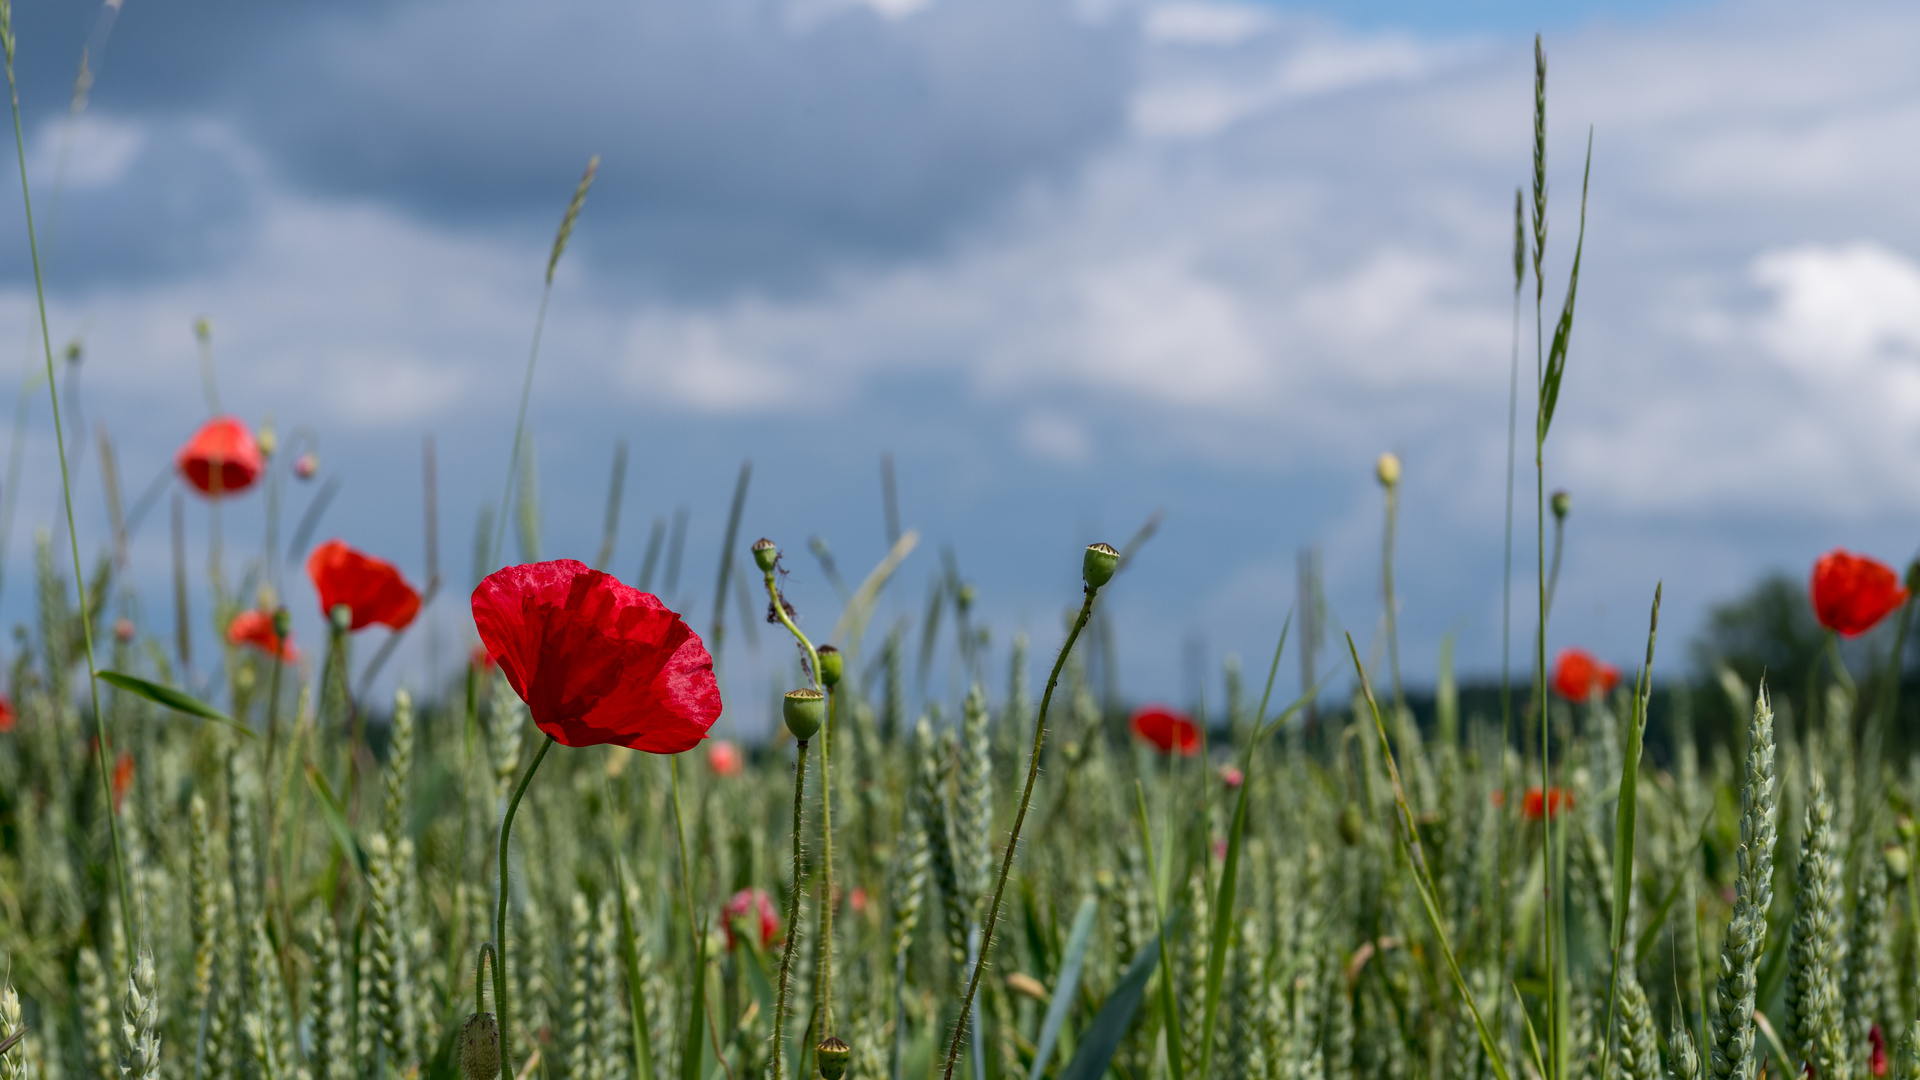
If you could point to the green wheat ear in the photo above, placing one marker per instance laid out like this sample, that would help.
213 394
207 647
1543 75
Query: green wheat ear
1733 1055
1818 952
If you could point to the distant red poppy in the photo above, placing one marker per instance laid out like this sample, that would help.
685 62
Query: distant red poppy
1578 676
1877 1059
724 758
122 777
1167 730
1852 593
221 458
480 660
1547 804
1231 776
596 660
857 900
255 628
7 717
371 588
746 904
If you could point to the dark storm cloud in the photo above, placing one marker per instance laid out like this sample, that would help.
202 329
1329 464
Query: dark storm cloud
744 143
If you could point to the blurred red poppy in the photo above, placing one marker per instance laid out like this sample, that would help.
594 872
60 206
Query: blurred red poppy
745 905
221 458
596 660
372 589
122 777
481 660
1578 676
724 758
1548 804
1852 593
255 628
1168 731
1877 1059
1231 776
7 717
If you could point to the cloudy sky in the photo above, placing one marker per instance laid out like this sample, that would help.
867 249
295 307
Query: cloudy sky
1069 261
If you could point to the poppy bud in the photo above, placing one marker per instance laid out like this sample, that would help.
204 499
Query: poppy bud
834 1055
1387 470
1897 864
831 666
1905 827
1350 825
765 554
964 597
306 465
480 1047
282 623
1098 566
202 329
123 630
805 710
1561 503
342 618
265 439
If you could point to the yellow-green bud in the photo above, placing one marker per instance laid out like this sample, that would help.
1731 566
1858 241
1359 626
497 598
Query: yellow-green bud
765 554
834 1056
805 710
964 596
342 618
282 623
1561 503
480 1047
1387 470
1905 827
1897 862
1351 827
265 439
832 666
1098 566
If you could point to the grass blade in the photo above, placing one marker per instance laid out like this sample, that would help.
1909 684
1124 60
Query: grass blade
636 987
1066 986
177 700
693 1048
335 816
1110 1024
1169 1009
1563 328
1423 881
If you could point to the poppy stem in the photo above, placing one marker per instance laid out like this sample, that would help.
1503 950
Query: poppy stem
500 915
786 620
826 856
1013 842
793 912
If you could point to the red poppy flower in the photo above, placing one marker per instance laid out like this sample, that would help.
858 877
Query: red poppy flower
746 904
122 777
1547 804
1852 593
723 758
597 661
1167 730
255 628
1578 676
371 588
221 458
7 717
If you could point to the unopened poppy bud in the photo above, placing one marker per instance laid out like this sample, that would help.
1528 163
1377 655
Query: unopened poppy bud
265 439
1897 863
306 465
123 630
1350 825
805 710
765 554
1387 470
342 618
834 1055
282 623
1905 827
1099 564
1561 503
832 666
964 596
480 1047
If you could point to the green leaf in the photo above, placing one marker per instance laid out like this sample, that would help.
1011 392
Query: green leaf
1563 328
636 986
1061 1002
176 700
335 817
1110 1024
694 1043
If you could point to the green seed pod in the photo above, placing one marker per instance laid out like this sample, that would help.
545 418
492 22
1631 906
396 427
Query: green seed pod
1561 502
832 666
765 554
266 439
1897 865
805 710
1905 827
834 1056
480 1047
1098 567
965 596
282 623
341 617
